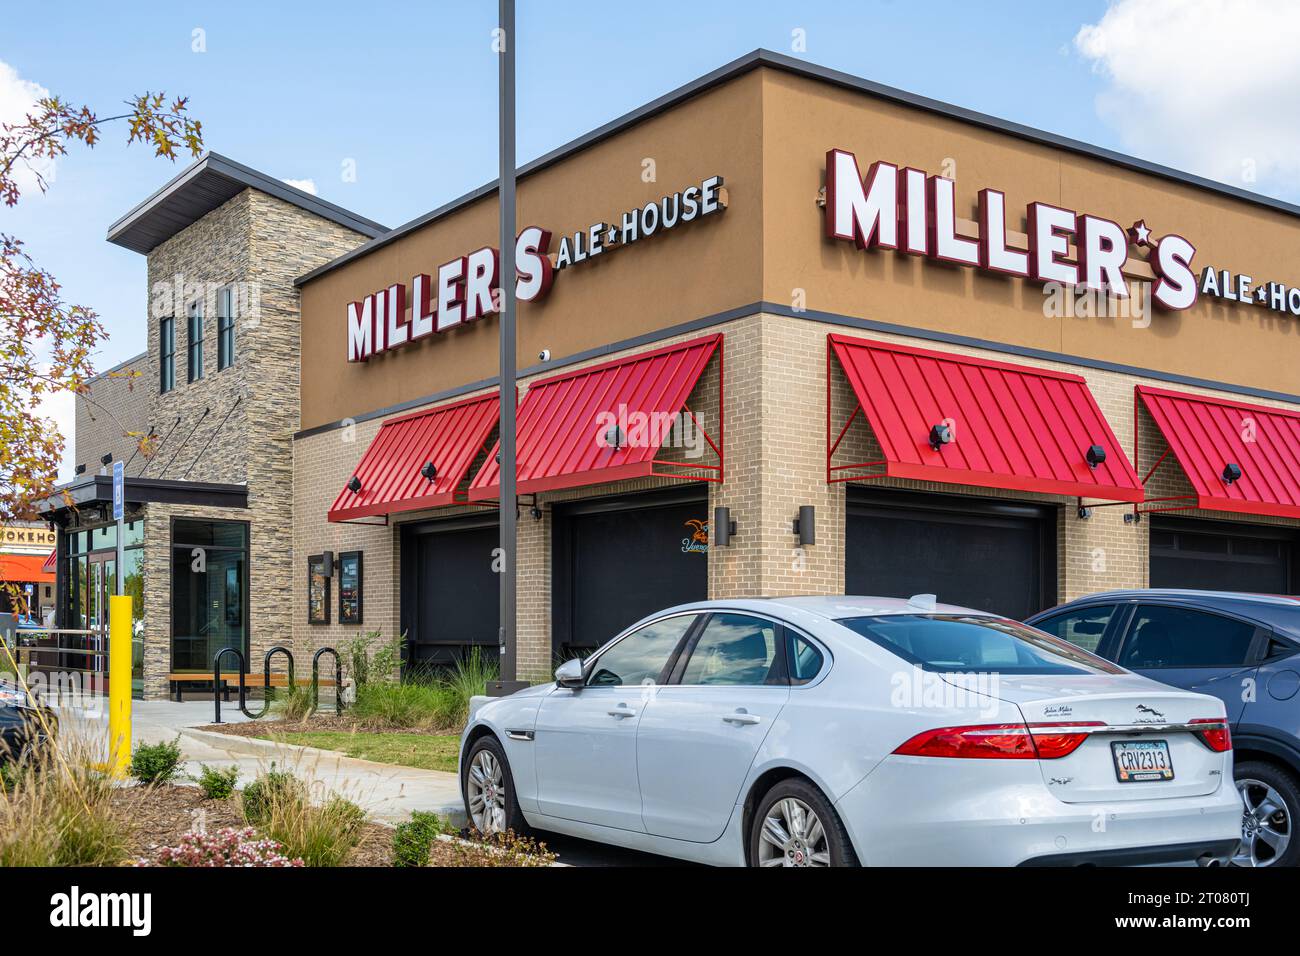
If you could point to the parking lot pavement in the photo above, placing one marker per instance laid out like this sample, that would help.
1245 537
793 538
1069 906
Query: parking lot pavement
575 852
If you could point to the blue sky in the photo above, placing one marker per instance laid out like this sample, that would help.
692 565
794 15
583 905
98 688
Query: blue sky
408 91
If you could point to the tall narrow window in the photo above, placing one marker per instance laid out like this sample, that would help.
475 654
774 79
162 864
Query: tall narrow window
209 577
195 341
225 329
167 354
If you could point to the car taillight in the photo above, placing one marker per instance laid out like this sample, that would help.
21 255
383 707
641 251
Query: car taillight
986 741
1214 733
1056 740
1000 741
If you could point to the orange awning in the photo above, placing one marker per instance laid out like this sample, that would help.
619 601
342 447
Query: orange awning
24 569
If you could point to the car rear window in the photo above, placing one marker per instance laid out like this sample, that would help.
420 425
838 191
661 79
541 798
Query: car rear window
959 643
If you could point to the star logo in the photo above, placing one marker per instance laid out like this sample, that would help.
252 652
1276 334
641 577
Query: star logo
1261 294
1139 233
611 237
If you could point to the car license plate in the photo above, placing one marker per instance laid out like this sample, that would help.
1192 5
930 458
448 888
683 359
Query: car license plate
1142 761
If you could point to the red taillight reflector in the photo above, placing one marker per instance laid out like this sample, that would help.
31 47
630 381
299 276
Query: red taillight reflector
985 741
1000 741
1214 733
1056 740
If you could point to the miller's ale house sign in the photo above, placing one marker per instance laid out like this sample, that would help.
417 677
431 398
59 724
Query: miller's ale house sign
464 289
910 211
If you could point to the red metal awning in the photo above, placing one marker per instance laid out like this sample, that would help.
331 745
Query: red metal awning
1208 434
389 472
25 569
51 563
565 421
1013 427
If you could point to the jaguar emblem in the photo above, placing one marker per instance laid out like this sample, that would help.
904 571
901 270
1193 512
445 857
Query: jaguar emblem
1155 714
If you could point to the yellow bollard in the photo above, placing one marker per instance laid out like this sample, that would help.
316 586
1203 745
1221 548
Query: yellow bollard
119 684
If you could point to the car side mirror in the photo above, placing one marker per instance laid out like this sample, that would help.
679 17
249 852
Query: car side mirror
569 674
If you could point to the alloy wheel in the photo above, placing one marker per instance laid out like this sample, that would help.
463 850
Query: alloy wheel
793 835
1265 825
487 793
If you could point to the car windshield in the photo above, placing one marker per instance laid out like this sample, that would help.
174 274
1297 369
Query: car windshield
958 643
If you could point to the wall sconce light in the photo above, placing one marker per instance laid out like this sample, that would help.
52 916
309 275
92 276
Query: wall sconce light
354 484
536 512
940 435
1231 473
429 471
723 528
805 526
1095 455
614 437
79 470
327 564
106 459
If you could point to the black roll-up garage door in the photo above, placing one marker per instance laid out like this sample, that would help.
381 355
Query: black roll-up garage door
991 555
617 560
1220 556
450 597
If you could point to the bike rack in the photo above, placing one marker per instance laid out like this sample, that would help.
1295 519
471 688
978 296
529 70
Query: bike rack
266 678
216 681
338 679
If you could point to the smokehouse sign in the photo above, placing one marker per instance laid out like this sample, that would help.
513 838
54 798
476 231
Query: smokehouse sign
462 290
908 210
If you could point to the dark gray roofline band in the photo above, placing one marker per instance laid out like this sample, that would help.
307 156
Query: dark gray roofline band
789 64
131 231
811 315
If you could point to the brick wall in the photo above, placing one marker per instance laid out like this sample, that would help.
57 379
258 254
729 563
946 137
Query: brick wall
775 443
235 425
115 403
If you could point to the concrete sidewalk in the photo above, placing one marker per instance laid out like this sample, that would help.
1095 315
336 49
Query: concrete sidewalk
386 792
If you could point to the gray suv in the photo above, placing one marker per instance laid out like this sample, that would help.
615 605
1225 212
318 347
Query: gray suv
1243 649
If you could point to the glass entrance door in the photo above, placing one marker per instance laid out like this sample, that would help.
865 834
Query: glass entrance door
94 594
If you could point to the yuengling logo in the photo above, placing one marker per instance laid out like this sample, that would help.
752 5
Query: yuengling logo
74 909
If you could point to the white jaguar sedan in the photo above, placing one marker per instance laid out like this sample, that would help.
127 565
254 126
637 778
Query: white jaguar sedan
836 731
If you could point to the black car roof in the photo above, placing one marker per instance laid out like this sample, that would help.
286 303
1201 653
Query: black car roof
1278 611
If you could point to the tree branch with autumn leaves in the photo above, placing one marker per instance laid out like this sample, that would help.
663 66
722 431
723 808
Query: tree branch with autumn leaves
47 344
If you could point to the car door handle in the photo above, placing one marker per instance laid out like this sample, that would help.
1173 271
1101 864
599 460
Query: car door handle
622 710
740 717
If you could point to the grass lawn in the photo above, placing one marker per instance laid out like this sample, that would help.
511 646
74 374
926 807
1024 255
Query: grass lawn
425 751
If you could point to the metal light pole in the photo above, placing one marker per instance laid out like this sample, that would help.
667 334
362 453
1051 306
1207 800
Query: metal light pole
506 198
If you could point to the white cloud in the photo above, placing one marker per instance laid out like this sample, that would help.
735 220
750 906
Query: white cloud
17 97
306 185
1211 86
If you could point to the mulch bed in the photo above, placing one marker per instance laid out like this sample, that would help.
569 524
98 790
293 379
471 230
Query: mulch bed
160 816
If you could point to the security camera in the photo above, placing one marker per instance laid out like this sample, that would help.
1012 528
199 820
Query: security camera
544 355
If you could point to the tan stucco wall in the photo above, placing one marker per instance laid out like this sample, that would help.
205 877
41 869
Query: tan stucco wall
696 269
1241 344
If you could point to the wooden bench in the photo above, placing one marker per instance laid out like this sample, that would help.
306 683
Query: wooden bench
252 681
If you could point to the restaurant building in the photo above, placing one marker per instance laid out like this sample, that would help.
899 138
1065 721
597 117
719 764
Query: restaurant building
895 346
201 422
908 348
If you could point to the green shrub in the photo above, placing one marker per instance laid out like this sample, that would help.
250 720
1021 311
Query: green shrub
406 705
356 659
468 677
59 812
369 659
413 840
217 784
156 763
292 703
319 836
268 790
